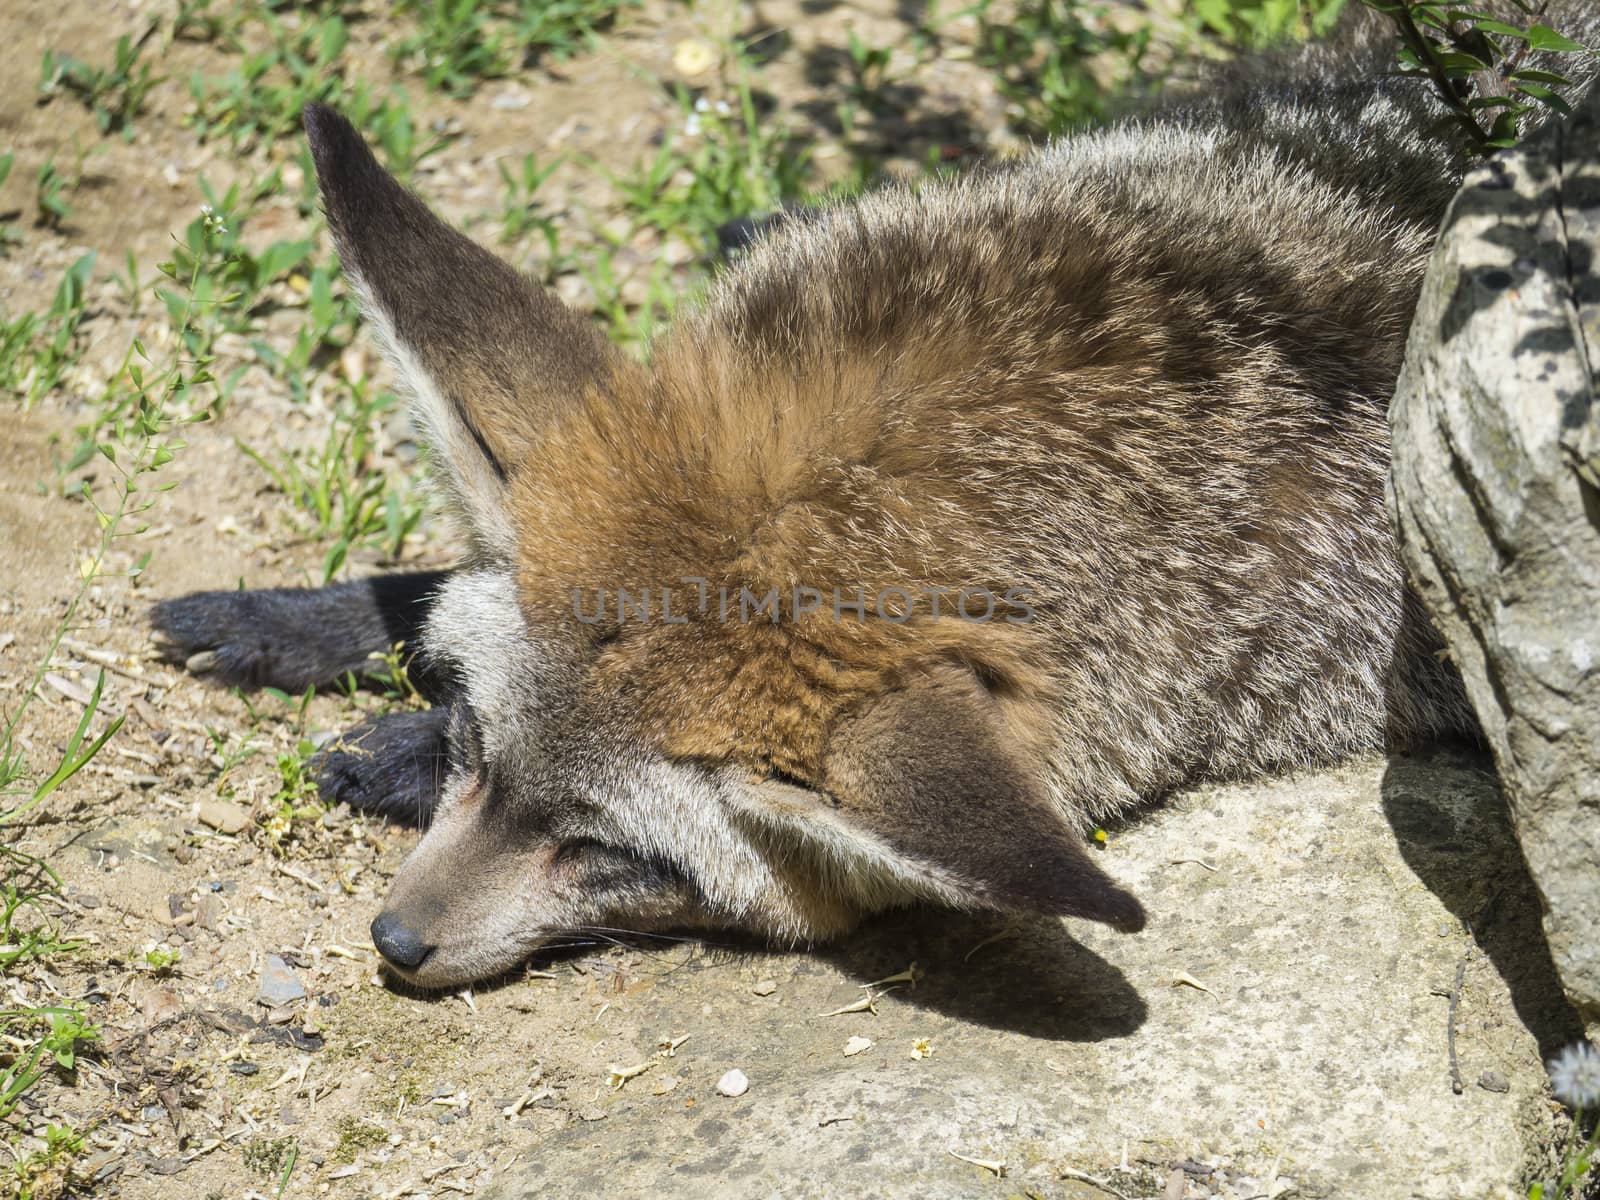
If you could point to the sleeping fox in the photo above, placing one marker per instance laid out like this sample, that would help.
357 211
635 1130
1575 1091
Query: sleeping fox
950 521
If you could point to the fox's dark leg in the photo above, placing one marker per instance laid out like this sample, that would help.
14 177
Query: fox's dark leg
393 766
293 638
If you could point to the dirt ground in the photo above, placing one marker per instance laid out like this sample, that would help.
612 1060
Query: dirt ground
1279 1031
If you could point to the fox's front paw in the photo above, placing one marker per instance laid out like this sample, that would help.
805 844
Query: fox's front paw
232 636
394 766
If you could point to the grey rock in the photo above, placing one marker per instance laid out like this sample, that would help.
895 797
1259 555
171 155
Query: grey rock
278 985
1493 1081
1496 498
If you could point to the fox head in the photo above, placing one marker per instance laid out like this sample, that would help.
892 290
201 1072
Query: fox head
784 771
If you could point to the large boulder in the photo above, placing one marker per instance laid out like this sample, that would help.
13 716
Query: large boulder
1495 495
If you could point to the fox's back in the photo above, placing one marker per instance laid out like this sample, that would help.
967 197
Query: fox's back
1141 377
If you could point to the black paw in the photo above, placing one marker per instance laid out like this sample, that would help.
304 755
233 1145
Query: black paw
393 766
294 638
239 638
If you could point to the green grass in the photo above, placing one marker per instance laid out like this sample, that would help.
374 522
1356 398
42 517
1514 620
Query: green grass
340 494
521 212
456 45
115 94
724 160
10 235
37 349
50 188
1061 65
135 444
284 66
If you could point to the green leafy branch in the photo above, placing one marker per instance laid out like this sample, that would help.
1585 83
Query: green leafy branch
1475 62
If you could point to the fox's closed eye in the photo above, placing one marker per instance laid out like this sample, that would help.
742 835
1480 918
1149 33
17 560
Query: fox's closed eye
574 849
775 775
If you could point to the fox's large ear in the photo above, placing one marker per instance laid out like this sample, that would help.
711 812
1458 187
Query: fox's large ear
931 772
487 354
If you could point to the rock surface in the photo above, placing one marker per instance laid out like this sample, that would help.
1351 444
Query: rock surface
1496 497
1280 1024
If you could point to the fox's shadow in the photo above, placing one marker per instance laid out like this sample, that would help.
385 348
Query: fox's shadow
1010 975
1021 976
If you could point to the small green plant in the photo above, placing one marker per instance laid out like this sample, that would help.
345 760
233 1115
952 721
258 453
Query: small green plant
115 94
267 1156
1475 64
261 98
391 672
1060 64
136 444
160 958
290 66
724 161
36 351
458 44
195 21
342 491
43 1173
1257 23
50 196
129 285
230 280
9 236
869 70
520 211
329 325
355 1136
283 820
630 318
560 28
1575 1081
66 1028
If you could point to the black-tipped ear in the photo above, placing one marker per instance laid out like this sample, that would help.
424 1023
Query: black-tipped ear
488 355
931 771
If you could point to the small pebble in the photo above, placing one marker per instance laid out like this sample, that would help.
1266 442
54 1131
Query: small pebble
1493 1081
160 1004
208 913
278 985
734 1083
223 816
856 1045
765 988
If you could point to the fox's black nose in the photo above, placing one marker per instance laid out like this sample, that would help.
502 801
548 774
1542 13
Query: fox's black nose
397 943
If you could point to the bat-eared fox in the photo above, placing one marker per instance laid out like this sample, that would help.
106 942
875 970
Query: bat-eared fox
951 520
